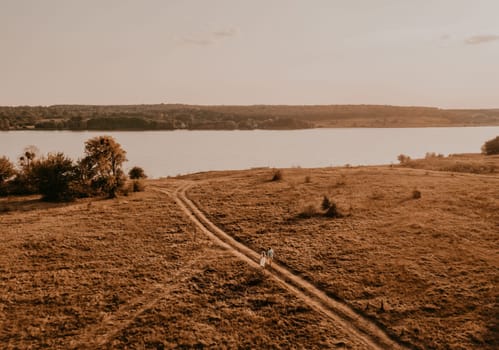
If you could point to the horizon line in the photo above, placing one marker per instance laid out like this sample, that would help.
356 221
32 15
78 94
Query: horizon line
246 105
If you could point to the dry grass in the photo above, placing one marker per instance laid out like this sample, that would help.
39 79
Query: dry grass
460 163
134 273
432 262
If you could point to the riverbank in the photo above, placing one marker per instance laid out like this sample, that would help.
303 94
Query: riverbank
137 272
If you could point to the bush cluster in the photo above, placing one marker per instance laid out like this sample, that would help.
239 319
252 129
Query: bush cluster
491 146
58 178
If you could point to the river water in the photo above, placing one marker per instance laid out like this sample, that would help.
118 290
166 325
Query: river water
170 153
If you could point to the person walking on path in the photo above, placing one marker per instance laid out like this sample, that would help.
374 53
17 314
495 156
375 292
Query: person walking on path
263 259
270 256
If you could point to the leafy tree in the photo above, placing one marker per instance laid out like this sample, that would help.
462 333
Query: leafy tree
137 173
24 183
29 155
6 169
54 177
403 159
103 160
491 146
84 173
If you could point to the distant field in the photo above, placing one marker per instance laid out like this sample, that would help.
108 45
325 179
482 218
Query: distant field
135 272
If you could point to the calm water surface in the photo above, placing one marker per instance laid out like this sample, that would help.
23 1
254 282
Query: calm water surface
163 153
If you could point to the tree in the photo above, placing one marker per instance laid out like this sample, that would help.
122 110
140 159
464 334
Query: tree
403 159
29 155
137 173
24 183
6 169
491 146
54 177
103 162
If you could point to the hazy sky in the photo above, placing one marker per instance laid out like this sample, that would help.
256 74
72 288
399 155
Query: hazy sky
442 53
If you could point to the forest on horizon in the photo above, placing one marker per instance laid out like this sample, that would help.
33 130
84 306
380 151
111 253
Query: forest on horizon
226 117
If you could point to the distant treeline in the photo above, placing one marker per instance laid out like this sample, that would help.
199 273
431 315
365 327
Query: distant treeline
175 116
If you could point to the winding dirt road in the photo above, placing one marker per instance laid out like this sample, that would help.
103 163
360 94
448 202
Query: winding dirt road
360 328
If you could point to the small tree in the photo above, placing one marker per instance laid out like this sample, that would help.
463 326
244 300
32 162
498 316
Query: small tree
6 169
137 173
491 146
403 159
103 162
24 182
28 157
54 177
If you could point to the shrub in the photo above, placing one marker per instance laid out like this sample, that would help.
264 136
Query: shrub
6 169
308 179
138 186
416 194
54 177
403 159
137 173
277 175
333 212
491 146
326 203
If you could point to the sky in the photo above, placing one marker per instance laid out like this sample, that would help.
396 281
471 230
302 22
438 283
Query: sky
441 53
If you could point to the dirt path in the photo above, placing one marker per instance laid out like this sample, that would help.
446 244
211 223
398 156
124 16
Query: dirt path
360 328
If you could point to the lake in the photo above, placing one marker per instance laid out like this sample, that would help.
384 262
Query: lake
170 153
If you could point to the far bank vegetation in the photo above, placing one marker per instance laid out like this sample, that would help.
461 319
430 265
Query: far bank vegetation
195 117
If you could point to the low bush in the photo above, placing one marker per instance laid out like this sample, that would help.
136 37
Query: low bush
333 212
277 175
138 186
54 176
326 203
416 194
491 146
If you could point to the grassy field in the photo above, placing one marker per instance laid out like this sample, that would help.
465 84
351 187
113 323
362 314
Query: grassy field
425 268
136 273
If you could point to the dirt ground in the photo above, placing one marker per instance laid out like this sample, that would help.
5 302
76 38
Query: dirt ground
426 269
135 273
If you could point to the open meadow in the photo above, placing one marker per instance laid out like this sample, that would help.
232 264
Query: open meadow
415 252
134 273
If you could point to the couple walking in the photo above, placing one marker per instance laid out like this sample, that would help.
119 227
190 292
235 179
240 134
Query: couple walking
267 257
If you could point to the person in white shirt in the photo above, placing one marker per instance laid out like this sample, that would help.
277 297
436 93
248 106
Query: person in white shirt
263 259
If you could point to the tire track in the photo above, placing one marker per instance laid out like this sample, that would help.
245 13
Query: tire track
360 328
